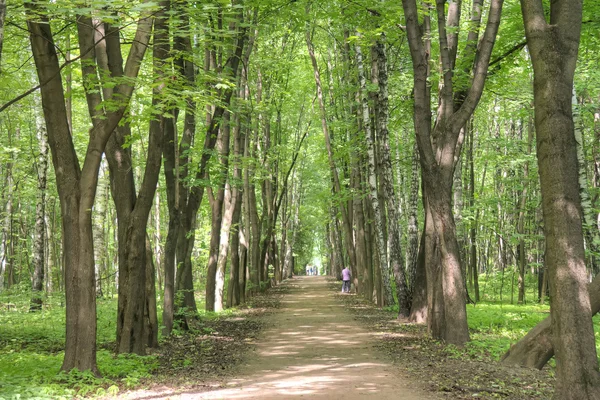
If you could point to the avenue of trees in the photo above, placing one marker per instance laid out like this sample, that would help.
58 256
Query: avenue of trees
182 155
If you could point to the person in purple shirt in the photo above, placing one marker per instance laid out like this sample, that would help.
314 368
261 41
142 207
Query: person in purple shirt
346 275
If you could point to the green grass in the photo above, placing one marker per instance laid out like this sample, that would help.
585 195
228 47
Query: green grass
494 326
499 287
35 375
32 351
495 323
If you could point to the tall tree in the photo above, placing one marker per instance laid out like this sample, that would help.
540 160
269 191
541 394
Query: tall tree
439 146
191 203
2 18
39 244
337 187
221 213
378 210
77 185
387 180
553 46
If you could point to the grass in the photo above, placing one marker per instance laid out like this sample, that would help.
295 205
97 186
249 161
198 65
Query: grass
32 344
32 351
494 326
495 323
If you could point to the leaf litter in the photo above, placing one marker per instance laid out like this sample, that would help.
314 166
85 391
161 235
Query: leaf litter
447 371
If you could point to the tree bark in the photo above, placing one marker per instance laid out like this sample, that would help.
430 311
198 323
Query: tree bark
132 210
553 47
222 205
233 291
175 167
150 313
438 147
372 182
191 205
77 186
521 219
418 309
412 251
39 244
2 19
6 245
253 220
99 221
473 266
366 284
387 179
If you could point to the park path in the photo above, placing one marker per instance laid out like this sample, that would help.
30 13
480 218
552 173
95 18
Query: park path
313 349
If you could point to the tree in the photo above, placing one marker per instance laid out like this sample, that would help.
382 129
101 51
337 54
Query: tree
77 185
2 18
337 187
439 147
553 46
39 245
377 206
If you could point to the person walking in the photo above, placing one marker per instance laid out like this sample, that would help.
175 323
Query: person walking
346 275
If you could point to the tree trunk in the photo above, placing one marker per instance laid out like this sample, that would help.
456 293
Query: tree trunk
474 270
521 220
216 206
418 309
186 237
150 313
233 291
175 167
295 207
77 186
387 179
228 209
372 181
156 239
439 146
337 242
132 210
39 244
243 262
51 253
253 221
366 285
99 221
413 250
553 47
6 245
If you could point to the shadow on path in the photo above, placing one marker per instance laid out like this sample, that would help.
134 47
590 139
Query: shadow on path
312 349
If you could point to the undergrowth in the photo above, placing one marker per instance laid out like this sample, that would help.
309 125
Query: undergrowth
495 324
32 351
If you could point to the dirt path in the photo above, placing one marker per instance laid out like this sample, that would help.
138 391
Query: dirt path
313 349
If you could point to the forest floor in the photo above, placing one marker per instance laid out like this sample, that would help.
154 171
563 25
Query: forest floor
448 371
307 340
